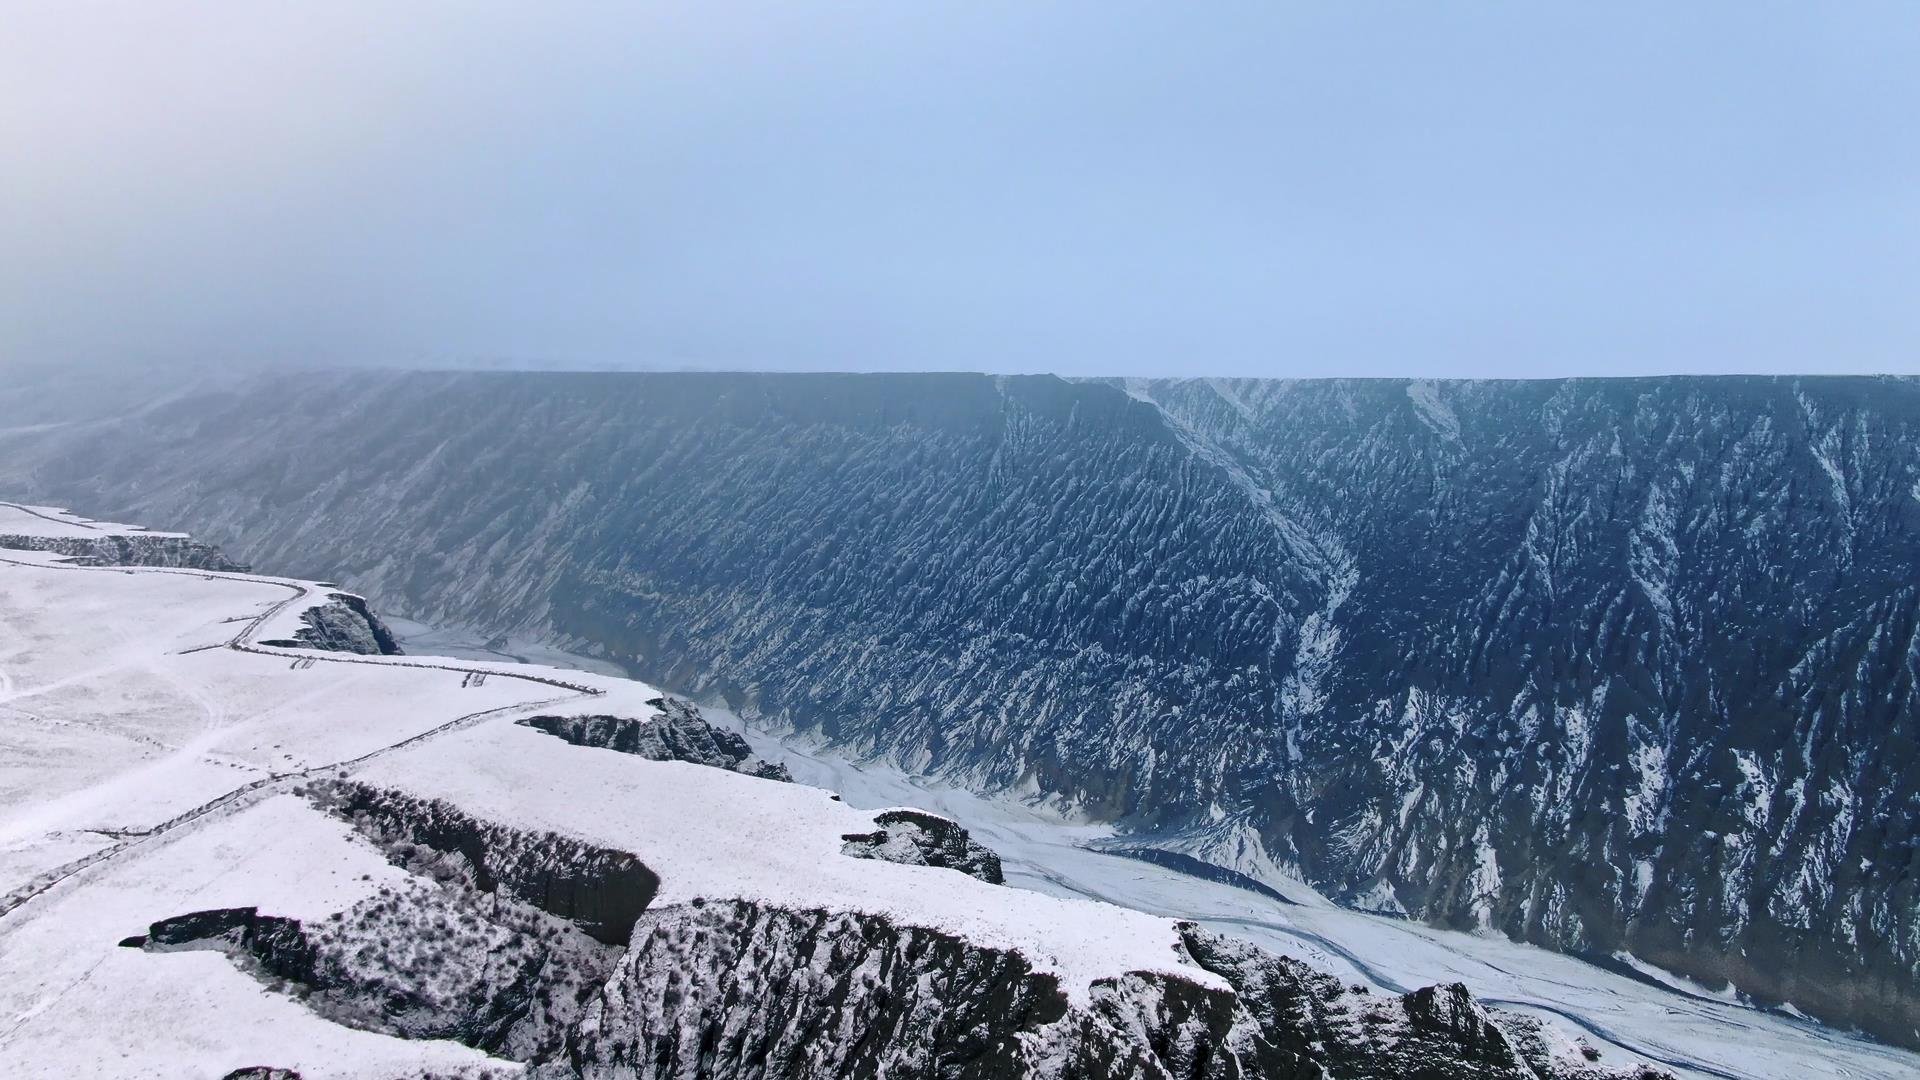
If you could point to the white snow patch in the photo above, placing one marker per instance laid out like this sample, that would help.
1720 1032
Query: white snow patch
1432 410
22 519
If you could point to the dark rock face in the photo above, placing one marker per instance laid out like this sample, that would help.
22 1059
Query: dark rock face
1603 665
133 550
422 962
1435 1033
277 942
917 838
678 733
737 990
343 624
600 889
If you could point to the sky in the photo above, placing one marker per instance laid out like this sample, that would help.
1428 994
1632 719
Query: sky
1473 188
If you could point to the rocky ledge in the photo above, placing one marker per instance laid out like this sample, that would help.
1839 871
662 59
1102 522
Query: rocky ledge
117 549
547 952
344 623
917 838
676 733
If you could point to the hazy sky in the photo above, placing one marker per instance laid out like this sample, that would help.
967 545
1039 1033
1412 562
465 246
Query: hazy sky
1466 188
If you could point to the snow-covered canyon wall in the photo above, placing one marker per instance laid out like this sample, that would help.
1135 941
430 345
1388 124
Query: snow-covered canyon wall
1605 665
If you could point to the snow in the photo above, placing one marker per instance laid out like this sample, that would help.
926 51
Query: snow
144 715
1680 982
73 1003
145 772
20 519
714 834
1378 897
152 750
1432 410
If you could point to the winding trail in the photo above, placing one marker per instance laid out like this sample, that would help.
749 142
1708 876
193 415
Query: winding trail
242 641
74 523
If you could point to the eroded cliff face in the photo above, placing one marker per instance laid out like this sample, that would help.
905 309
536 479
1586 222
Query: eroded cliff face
600 889
343 623
1600 664
540 950
735 989
1434 1033
129 550
732 989
677 732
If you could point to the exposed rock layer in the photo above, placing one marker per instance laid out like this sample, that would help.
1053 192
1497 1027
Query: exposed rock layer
677 733
486 944
600 889
129 550
917 838
737 990
344 623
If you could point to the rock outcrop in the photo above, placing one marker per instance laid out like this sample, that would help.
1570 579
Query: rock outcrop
917 838
1434 1033
601 890
732 989
676 733
499 938
344 623
130 549
426 961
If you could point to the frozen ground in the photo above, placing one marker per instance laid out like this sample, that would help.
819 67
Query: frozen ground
73 1004
148 754
1693 1033
147 714
21 519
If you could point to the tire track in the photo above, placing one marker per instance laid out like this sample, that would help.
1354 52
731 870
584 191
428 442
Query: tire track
31 512
247 794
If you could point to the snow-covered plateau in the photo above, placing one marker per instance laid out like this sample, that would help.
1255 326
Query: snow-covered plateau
242 831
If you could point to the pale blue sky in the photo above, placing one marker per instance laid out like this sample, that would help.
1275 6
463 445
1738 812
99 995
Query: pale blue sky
1467 188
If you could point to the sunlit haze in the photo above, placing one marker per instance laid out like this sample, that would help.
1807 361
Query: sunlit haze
1490 189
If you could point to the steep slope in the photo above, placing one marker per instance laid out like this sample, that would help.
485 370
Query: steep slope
443 890
1605 665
